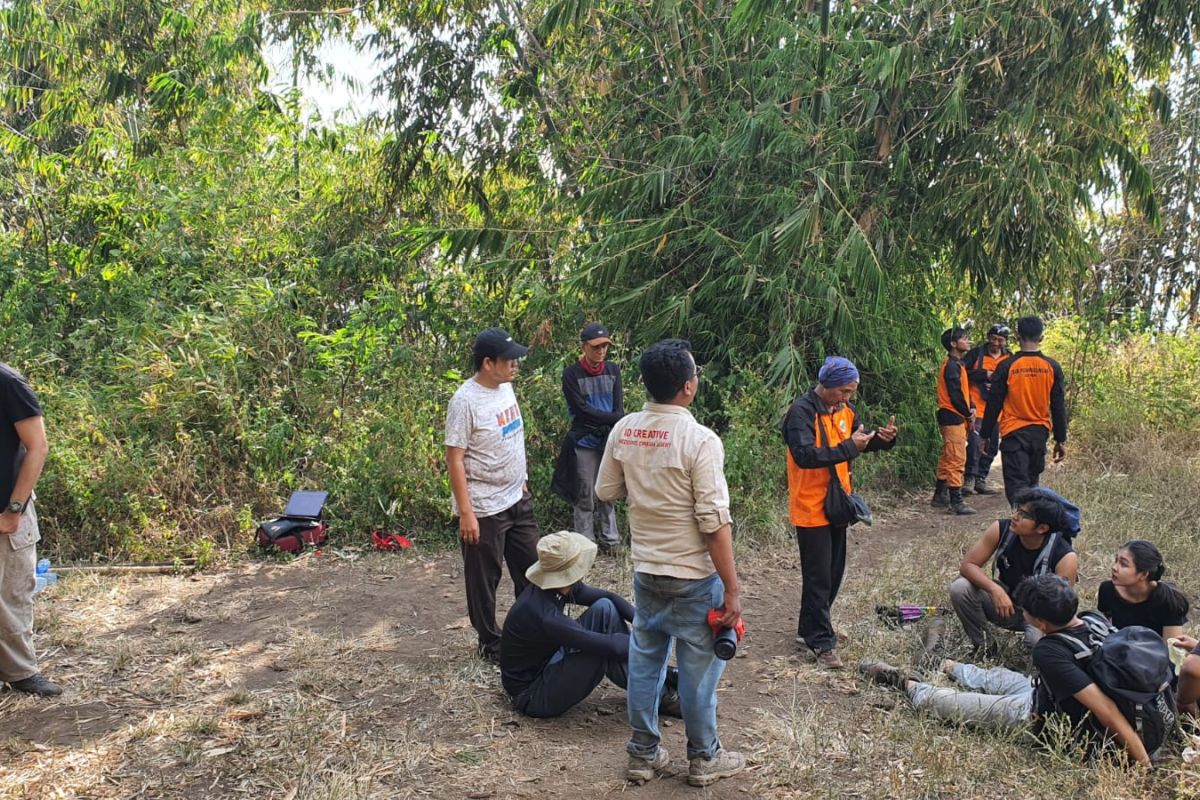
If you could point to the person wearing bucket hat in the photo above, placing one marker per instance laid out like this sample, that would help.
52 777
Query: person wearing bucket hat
595 401
485 456
550 661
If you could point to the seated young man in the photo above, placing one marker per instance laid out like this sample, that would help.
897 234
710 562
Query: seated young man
550 661
1005 699
978 598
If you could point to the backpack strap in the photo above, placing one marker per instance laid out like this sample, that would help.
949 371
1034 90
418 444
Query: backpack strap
1082 651
1000 556
1042 565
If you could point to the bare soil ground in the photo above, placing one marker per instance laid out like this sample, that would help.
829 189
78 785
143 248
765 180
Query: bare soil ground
338 676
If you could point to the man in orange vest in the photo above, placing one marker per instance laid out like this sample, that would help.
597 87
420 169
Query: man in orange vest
981 362
823 435
1029 400
954 415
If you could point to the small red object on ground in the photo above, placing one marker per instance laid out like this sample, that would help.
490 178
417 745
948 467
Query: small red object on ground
390 541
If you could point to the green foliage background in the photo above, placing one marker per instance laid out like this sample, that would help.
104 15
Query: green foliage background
220 302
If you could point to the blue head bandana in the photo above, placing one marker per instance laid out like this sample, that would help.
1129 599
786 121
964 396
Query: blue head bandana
837 372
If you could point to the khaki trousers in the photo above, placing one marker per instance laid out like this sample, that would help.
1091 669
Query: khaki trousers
18 560
953 457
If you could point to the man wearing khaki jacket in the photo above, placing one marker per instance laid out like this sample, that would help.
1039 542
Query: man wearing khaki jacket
672 470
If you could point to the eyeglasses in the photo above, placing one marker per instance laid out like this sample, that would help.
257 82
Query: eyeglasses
1020 513
699 370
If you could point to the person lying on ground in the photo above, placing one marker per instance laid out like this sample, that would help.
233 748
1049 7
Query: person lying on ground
1008 700
1030 543
549 661
1137 595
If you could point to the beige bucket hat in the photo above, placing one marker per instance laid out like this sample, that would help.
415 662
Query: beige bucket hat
564 558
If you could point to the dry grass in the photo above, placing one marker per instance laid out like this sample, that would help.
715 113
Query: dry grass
174 698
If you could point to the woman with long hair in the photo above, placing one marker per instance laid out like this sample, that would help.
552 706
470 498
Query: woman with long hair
1137 594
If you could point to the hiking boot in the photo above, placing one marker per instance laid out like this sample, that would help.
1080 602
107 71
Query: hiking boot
957 506
37 684
668 704
882 673
941 495
966 487
981 487
611 548
829 659
723 764
641 769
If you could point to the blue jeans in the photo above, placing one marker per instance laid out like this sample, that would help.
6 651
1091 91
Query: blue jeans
674 608
999 698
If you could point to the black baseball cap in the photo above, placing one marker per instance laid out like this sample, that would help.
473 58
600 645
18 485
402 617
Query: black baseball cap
594 331
496 343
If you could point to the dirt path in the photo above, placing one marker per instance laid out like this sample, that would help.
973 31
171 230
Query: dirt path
330 678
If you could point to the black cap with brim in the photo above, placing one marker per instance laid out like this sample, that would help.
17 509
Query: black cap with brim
496 343
594 331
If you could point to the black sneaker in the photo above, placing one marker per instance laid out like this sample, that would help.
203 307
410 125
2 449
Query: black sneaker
37 684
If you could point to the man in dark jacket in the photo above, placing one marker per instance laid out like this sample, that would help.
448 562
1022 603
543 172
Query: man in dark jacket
954 416
549 661
1028 400
592 389
823 435
981 363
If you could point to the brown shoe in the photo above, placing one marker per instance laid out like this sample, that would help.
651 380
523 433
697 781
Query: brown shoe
829 659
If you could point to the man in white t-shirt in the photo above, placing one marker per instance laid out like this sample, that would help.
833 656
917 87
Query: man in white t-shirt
485 456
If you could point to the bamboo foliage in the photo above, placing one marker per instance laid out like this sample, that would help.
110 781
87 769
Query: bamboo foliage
781 180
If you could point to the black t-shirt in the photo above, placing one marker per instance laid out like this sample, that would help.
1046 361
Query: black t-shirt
1152 612
1062 676
1016 562
536 626
17 402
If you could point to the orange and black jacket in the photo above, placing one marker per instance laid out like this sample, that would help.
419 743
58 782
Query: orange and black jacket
954 405
1028 388
979 363
809 460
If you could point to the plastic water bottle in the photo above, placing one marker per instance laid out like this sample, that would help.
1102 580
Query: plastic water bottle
43 577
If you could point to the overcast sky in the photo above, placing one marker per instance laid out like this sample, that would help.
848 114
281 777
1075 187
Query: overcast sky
330 98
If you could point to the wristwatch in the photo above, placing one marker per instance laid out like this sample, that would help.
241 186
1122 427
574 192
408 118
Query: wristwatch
16 506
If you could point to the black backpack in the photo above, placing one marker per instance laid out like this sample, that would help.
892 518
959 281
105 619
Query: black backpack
1132 666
